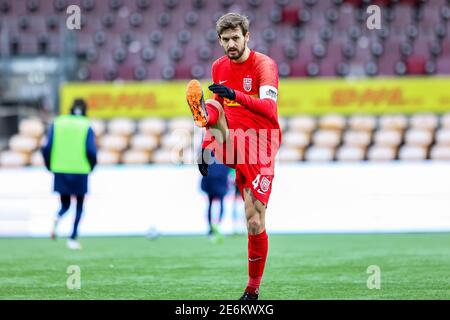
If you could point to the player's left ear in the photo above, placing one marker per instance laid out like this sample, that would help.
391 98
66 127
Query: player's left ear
247 36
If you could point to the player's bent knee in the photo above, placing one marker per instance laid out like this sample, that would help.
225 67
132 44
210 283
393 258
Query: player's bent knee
254 224
216 104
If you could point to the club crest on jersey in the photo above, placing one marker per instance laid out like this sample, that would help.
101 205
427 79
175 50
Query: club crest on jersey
248 84
264 185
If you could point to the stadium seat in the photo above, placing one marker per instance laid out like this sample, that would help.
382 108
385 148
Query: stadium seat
412 153
362 123
393 122
136 157
164 156
296 139
108 157
381 153
350 153
388 138
22 143
332 122
440 153
424 121
113 142
419 137
13 159
99 127
152 126
122 126
326 138
286 154
303 123
357 138
445 121
32 127
37 160
181 124
176 140
443 137
319 154
141 142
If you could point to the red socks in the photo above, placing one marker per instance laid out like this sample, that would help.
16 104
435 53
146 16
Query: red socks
257 253
213 114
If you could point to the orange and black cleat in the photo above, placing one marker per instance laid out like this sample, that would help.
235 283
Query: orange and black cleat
194 97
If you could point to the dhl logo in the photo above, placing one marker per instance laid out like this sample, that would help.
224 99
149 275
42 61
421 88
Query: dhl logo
122 101
390 96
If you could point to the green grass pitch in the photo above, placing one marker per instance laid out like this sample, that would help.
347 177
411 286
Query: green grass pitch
305 266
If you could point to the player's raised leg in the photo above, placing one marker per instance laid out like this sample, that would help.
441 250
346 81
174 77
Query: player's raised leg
207 113
258 243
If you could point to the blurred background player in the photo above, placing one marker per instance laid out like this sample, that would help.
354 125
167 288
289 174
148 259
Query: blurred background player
215 185
244 108
71 154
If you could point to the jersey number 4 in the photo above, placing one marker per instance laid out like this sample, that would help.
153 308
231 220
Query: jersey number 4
261 185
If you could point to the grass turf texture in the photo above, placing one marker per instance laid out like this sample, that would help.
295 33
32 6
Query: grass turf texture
309 266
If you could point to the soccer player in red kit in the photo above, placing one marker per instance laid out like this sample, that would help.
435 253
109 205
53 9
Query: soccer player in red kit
242 129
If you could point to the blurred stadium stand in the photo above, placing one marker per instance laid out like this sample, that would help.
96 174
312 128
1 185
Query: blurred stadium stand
123 40
175 39
305 138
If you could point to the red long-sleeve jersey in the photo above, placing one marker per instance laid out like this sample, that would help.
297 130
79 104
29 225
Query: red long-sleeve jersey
255 82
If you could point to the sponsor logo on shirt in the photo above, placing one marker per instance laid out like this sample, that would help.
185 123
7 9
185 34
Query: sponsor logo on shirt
268 92
271 94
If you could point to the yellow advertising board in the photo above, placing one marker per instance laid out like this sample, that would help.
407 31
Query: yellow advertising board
128 99
316 97
374 96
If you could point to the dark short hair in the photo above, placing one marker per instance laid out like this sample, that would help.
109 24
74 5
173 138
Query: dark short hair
232 20
79 107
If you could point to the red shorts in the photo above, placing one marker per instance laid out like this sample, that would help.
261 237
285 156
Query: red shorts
257 175
253 177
